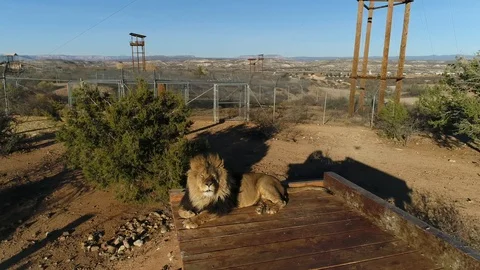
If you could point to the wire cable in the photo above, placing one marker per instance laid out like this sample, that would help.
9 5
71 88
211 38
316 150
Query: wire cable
453 26
426 27
93 26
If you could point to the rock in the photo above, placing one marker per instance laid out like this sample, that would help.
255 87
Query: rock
111 249
118 240
126 244
138 243
65 233
163 229
121 250
156 214
170 255
140 230
113 257
94 248
90 237
62 238
452 160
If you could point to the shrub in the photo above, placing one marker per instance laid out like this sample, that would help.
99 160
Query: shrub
416 90
450 111
395 122
267 126
9 140
135 145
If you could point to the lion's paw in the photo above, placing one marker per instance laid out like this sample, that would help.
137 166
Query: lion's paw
186 214
260 209
189 224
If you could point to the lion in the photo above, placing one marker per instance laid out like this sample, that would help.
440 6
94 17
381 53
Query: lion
212 192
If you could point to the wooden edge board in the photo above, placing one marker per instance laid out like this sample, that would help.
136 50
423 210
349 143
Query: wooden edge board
437 245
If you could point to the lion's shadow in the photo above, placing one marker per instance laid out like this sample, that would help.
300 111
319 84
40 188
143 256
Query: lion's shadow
240 146
384 185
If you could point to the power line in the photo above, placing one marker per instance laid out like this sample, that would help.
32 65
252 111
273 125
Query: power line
93 26
453 25
426 27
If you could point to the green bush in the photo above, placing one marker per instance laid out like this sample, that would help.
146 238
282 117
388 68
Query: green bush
416 90
9 140
451 109
135 145
395 122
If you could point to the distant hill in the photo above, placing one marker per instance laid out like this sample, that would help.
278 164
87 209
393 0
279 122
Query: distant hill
192 57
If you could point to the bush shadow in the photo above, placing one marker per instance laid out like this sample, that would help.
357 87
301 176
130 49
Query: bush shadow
384 185
20 202
240 146
454 141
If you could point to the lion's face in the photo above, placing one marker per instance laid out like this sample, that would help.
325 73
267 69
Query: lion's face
208 182
207 179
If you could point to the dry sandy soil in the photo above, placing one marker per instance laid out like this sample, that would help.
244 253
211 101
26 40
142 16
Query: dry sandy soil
40 199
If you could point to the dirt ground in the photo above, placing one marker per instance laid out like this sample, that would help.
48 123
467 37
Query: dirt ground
41 199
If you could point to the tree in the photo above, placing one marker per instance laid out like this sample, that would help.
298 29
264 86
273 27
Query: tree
135 145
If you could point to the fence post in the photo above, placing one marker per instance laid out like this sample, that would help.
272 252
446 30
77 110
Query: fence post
259 94
324 107
69 93
215 103
373 111
274 101
247 89
186 93
155 91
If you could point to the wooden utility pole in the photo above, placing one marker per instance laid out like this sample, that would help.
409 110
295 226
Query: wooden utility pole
386 48
403 48
363 81
384 70
356 52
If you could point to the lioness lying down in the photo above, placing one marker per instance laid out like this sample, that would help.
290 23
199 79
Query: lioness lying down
212 192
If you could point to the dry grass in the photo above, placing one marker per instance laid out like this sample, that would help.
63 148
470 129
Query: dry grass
444 215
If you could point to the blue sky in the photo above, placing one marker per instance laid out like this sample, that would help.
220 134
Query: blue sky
229 28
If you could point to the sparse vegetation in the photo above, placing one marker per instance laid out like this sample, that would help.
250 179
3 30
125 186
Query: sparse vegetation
38 100
394 122
135 145
444 215
9 139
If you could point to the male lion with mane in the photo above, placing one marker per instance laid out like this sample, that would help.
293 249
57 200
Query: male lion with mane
212 192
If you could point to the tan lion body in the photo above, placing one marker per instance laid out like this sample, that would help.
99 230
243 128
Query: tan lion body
212 192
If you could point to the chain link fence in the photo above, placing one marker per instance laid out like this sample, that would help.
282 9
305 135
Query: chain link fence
216 96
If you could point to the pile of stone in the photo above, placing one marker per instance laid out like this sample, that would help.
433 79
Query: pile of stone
134 233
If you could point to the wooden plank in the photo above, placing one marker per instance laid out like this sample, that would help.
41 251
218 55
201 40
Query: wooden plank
278 254
294 204
330 259
258 238
231 229
251 216
393 262
436 245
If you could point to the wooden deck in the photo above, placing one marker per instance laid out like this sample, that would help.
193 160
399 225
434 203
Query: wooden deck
315 230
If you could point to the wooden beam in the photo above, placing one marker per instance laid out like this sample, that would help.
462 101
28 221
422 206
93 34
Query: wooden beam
363 82
386 48
435 244
403 48
356 52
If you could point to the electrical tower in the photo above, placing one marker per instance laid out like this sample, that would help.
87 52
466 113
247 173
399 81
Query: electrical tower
138 41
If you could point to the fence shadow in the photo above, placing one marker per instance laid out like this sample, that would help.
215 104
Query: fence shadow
52 236
384 185
240 146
